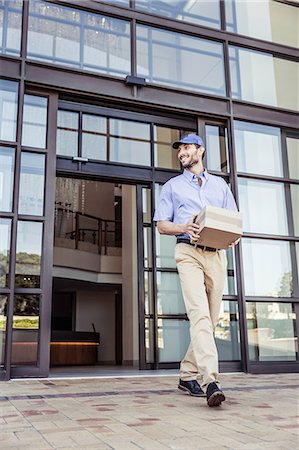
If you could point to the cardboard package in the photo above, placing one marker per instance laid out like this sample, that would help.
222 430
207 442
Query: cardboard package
219 227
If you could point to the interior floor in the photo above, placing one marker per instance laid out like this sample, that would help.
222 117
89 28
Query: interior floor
107 371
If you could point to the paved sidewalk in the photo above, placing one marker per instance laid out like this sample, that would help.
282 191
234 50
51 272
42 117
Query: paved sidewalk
261 412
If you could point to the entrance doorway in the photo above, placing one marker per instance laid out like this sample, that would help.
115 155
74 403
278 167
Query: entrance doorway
95 293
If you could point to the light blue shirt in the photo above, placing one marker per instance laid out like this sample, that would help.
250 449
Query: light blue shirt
182 197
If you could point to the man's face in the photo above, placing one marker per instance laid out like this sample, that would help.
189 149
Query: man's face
189 155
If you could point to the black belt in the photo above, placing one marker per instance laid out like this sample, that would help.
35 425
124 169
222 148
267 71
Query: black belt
187 241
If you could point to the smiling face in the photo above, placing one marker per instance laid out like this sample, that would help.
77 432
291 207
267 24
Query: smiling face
190 154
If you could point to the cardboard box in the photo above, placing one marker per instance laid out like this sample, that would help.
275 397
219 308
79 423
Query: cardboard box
219 227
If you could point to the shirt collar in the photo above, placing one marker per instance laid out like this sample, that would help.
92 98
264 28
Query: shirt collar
190 176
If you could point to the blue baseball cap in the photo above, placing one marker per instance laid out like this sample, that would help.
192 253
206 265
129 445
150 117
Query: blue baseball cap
189 139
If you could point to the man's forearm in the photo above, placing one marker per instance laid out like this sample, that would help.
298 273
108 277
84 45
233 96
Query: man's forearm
170 228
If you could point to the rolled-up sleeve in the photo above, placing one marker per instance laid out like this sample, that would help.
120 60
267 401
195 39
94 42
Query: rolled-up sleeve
164 210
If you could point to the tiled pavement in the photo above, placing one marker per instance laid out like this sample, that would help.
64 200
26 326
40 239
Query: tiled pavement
261 412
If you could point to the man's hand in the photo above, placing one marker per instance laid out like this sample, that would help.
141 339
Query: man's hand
235 243
192 229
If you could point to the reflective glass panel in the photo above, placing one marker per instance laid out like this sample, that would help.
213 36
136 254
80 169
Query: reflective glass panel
165 156
263 206
149 339
8 109
165 246
173 339
28 258
148 293
241 18
5 232
7 165
267 268
67 133
169 294
252 71
258 149
25 330
146 205
206 13
3 319
147 239
227 335
94 140
10 26
32 179
230 287
68 36
130 152
271 331
34 129
129 129
295 207
164 57
216 148
293 157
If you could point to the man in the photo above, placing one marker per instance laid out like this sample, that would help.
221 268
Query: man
202 270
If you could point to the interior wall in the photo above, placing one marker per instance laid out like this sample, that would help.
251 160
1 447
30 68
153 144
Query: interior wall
98 308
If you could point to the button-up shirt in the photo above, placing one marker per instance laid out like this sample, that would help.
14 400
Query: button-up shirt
183 196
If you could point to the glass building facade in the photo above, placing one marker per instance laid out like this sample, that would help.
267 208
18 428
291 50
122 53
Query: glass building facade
99 92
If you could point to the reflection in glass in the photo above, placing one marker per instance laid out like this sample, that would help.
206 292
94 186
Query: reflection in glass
80 39
165 246
206 13
164 57
94 140
173 339
295 207
149 340
148 293
129 129
130 152
34 121
67 133
28 258
257 70
165 156
227 334
10 26
258 149
267 268
147 240
216 145
8 109
263 206
241 18
169 294
31 198
3 319
7 166
146 205
271 331
230 281
5 231
293 157
25 330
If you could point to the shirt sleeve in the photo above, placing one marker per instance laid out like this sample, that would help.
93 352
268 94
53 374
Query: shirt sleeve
164 210
229 202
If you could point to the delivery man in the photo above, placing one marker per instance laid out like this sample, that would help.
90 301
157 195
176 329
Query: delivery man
202 270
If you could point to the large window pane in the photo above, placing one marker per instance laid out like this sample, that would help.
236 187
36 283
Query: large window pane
32 179
28 258
8 109
267 268
263 206
241 18
258 149
206 13
293 157
3 319
262 78
10 26
5 232
34 129
7 164
173 339
94 140
75 38
227 335
165 156
67 133
164 57
271 331
295 207
165 246
25 330
216 146
169 294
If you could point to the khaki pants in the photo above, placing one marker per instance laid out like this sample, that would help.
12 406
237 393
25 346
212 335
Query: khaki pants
202 276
